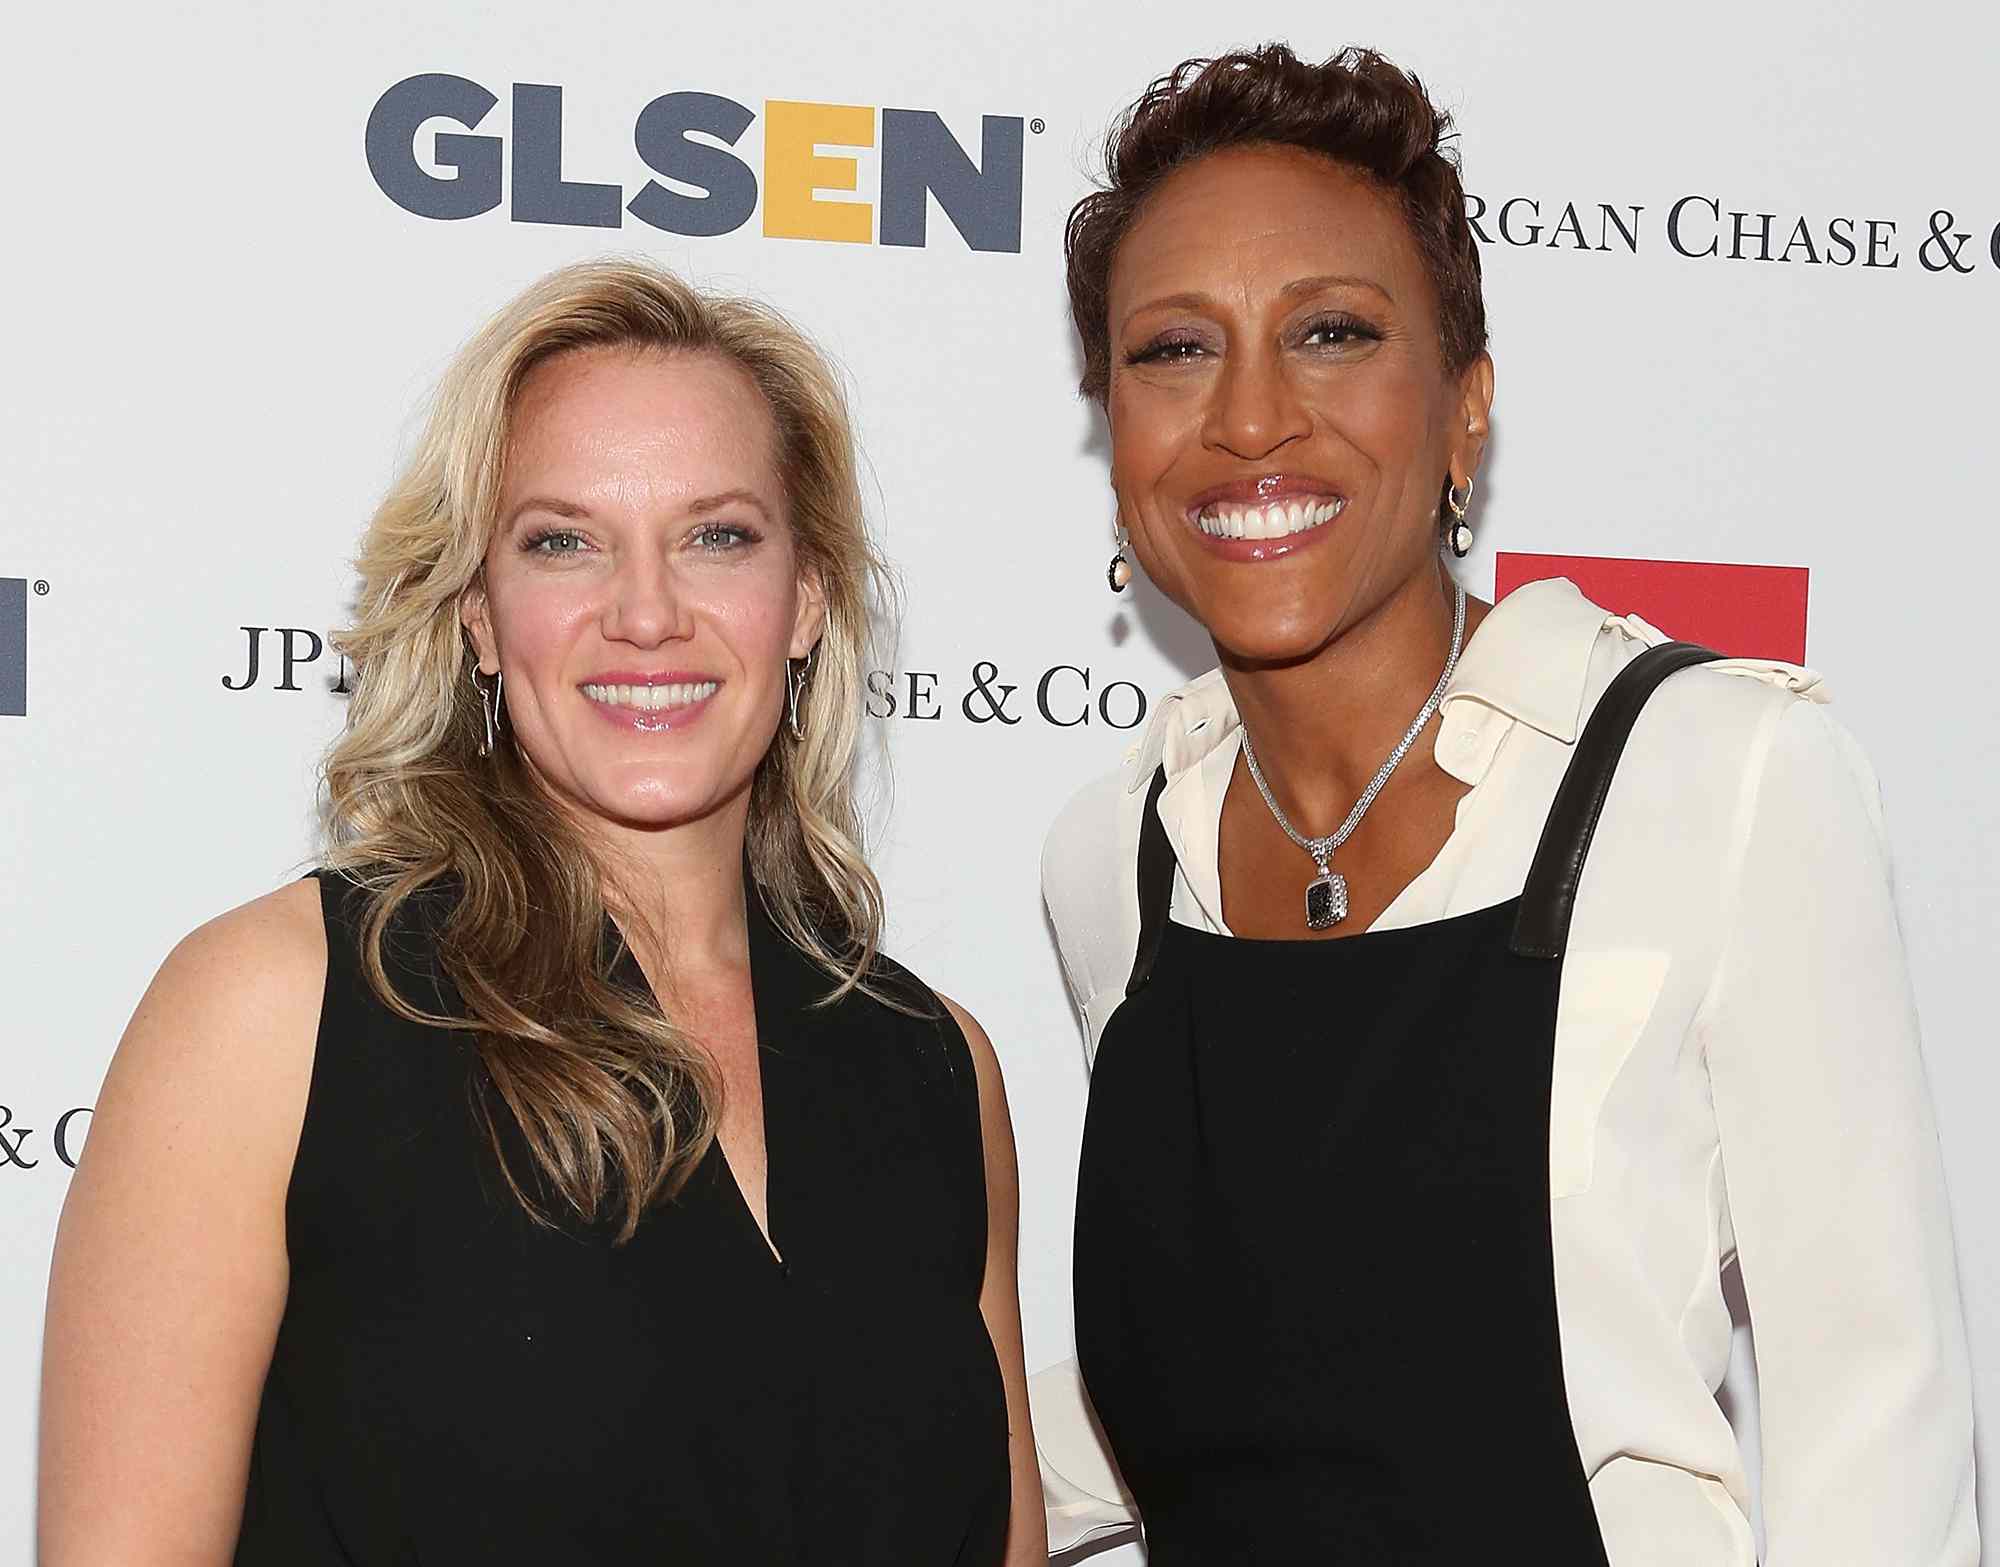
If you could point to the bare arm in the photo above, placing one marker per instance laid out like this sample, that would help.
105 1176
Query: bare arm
1000 1298
170 1272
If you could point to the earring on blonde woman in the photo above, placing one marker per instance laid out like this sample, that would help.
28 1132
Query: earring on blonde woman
489 709
797 673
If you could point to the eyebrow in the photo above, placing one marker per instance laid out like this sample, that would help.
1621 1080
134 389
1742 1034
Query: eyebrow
702 507
722 498
1313 285
547 503
1292 290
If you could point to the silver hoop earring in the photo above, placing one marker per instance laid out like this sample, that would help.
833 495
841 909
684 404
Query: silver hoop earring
1119 572
489 709
1458 532
797 673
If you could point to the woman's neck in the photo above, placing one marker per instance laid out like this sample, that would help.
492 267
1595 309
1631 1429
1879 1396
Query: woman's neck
1323 726
678 891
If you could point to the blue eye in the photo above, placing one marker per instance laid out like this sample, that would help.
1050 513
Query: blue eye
719 537
554 541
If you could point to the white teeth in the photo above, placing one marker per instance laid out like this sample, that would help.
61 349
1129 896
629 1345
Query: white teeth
653 698
1272 521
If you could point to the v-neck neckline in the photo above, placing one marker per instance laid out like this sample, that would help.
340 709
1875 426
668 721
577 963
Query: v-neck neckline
774 1011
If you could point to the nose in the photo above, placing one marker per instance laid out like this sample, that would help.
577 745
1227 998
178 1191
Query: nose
1254 409
648 605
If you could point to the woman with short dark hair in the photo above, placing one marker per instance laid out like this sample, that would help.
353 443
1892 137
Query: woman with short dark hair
1466 986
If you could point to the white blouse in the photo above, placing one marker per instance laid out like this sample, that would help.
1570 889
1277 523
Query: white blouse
1737 1074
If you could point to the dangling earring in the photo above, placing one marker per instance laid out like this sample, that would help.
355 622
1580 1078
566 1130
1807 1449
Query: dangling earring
1458 532
1119 572
795 688
489 709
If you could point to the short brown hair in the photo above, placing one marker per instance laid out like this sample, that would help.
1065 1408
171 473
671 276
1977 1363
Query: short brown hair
1355 108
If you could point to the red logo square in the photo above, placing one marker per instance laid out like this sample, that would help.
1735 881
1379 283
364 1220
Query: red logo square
1741 611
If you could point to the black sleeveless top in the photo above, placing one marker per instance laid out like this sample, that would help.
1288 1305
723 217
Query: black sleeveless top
1315 1292
454 1383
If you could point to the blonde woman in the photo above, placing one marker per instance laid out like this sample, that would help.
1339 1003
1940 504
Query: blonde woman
593 1190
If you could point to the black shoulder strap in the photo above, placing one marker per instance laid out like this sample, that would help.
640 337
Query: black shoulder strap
1541 929
1156 885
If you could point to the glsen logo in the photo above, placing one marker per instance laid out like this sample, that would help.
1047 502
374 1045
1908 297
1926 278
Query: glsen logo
703 187
1743 611
14 646
66 1139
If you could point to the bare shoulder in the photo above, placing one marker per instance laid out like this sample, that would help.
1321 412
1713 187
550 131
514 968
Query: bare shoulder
197 1125
277 938
984 1061
230 1018
996 1131
994 1115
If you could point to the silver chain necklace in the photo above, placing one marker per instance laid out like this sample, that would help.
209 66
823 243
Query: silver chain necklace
1326 893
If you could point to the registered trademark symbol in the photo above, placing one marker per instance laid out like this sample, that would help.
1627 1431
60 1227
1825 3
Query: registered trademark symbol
1038 126
41 588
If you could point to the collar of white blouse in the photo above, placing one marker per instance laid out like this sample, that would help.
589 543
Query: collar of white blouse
1528 663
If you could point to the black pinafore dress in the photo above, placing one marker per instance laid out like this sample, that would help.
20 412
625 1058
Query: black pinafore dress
1315 1292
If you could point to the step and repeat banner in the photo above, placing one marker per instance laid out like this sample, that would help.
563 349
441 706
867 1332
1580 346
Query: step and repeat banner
1743 273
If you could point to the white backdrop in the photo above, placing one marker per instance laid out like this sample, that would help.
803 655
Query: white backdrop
219 327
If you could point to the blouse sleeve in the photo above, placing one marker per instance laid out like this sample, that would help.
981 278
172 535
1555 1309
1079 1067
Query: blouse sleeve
1834 1179
1083 1498
1086 861
1082 1495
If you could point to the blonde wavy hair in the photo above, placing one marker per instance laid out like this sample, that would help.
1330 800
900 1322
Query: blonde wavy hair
616 1104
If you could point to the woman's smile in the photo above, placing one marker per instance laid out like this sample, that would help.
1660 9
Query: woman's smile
1266 518
650 704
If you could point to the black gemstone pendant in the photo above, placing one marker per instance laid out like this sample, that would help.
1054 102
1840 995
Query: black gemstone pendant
1326 900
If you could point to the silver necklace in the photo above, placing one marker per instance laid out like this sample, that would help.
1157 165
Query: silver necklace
1326 893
